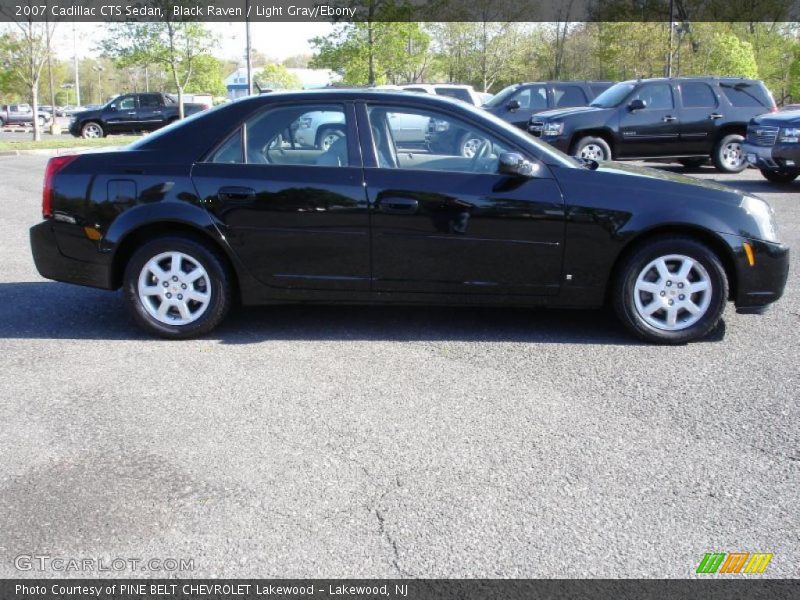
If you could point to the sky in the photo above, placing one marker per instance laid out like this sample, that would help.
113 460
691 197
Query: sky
275 40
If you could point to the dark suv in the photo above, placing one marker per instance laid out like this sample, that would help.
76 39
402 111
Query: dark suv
517 103
689 119
773 145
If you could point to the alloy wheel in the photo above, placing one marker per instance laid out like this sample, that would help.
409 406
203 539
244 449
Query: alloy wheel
672 292
732 155
471 146
91 131
174 288
592 152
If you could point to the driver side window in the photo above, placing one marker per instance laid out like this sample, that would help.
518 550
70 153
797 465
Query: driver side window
126 103
410 138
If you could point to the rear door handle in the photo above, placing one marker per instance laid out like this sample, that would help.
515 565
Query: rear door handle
669 119
398 206
236 193
714 116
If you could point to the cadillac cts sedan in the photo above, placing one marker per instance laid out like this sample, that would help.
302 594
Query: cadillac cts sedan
227 207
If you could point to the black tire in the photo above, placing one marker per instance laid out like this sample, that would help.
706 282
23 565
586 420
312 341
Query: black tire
86 127
693 163
592 145
624 294
326 131
219 281
780 177
723 151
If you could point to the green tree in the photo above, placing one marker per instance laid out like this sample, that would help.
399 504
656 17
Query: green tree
728 55
173 45
208 76
277 77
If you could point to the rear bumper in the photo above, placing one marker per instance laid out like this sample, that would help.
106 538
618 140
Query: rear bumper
53 264
763 283
779 157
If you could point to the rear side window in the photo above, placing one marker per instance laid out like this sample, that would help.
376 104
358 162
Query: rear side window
599 88
149 101
696 94
231 151
569 95
746 94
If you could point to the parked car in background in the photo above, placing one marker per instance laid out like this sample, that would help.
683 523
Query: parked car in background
773 145
217 210
129 113
465 93
787 107
518 102
69 110
689 119
19 114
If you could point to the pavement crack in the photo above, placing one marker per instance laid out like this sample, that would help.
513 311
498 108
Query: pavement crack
392 543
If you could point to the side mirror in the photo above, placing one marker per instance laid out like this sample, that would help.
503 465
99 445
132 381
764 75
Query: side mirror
512 163
637 104
513 105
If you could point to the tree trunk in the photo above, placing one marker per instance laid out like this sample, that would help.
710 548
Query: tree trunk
371 44
37 132
180 102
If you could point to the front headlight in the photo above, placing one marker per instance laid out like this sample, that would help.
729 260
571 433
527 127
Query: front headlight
552 128
790 135
762 214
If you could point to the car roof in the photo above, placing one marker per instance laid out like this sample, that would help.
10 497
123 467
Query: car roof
352 94
693 78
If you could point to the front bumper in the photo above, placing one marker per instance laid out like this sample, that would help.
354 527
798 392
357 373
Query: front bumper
52 263
763 283
779 157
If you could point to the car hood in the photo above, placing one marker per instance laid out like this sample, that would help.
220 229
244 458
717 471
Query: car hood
561 113
668 177
789 118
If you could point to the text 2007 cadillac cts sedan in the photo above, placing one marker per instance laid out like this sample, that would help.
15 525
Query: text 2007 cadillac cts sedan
228 206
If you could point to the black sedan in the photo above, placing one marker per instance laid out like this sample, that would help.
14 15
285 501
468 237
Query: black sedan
225 207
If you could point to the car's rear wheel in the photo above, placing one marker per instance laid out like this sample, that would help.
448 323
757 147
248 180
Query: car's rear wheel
92 130
782 176
670 290
177 287
592 148
728 156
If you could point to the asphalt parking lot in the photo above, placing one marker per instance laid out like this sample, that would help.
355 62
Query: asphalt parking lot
385 442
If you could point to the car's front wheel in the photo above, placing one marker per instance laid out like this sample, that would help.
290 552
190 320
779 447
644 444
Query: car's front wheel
592 148
728 156
177 287
783 176
670 290
92 130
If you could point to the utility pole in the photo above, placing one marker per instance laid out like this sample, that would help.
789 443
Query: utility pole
75 59
248 51
671 27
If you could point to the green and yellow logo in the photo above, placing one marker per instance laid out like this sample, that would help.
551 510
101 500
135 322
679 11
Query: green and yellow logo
734 562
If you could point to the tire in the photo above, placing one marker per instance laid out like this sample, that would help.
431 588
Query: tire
780 177
41 121
728 156
693 163
328 136
469 144
92 130
592 148
212 287
2 123
642 268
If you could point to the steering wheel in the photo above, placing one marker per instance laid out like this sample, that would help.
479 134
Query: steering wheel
480 153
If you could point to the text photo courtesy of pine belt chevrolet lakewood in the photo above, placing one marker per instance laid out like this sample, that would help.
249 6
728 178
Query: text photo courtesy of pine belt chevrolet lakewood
225 207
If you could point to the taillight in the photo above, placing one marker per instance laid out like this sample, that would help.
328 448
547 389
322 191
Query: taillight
54 165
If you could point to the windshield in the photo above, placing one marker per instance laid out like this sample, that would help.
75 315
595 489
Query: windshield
502 96
613 95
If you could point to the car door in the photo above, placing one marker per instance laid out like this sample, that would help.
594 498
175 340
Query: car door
700 116
295 215
653 130
532 99
150 113
447 224
120 116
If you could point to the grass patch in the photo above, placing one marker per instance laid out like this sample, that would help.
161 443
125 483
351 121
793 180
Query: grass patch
67 141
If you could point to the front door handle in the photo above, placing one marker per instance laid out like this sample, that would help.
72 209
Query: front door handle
133 112
236 194
669 119
398 206
714 116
